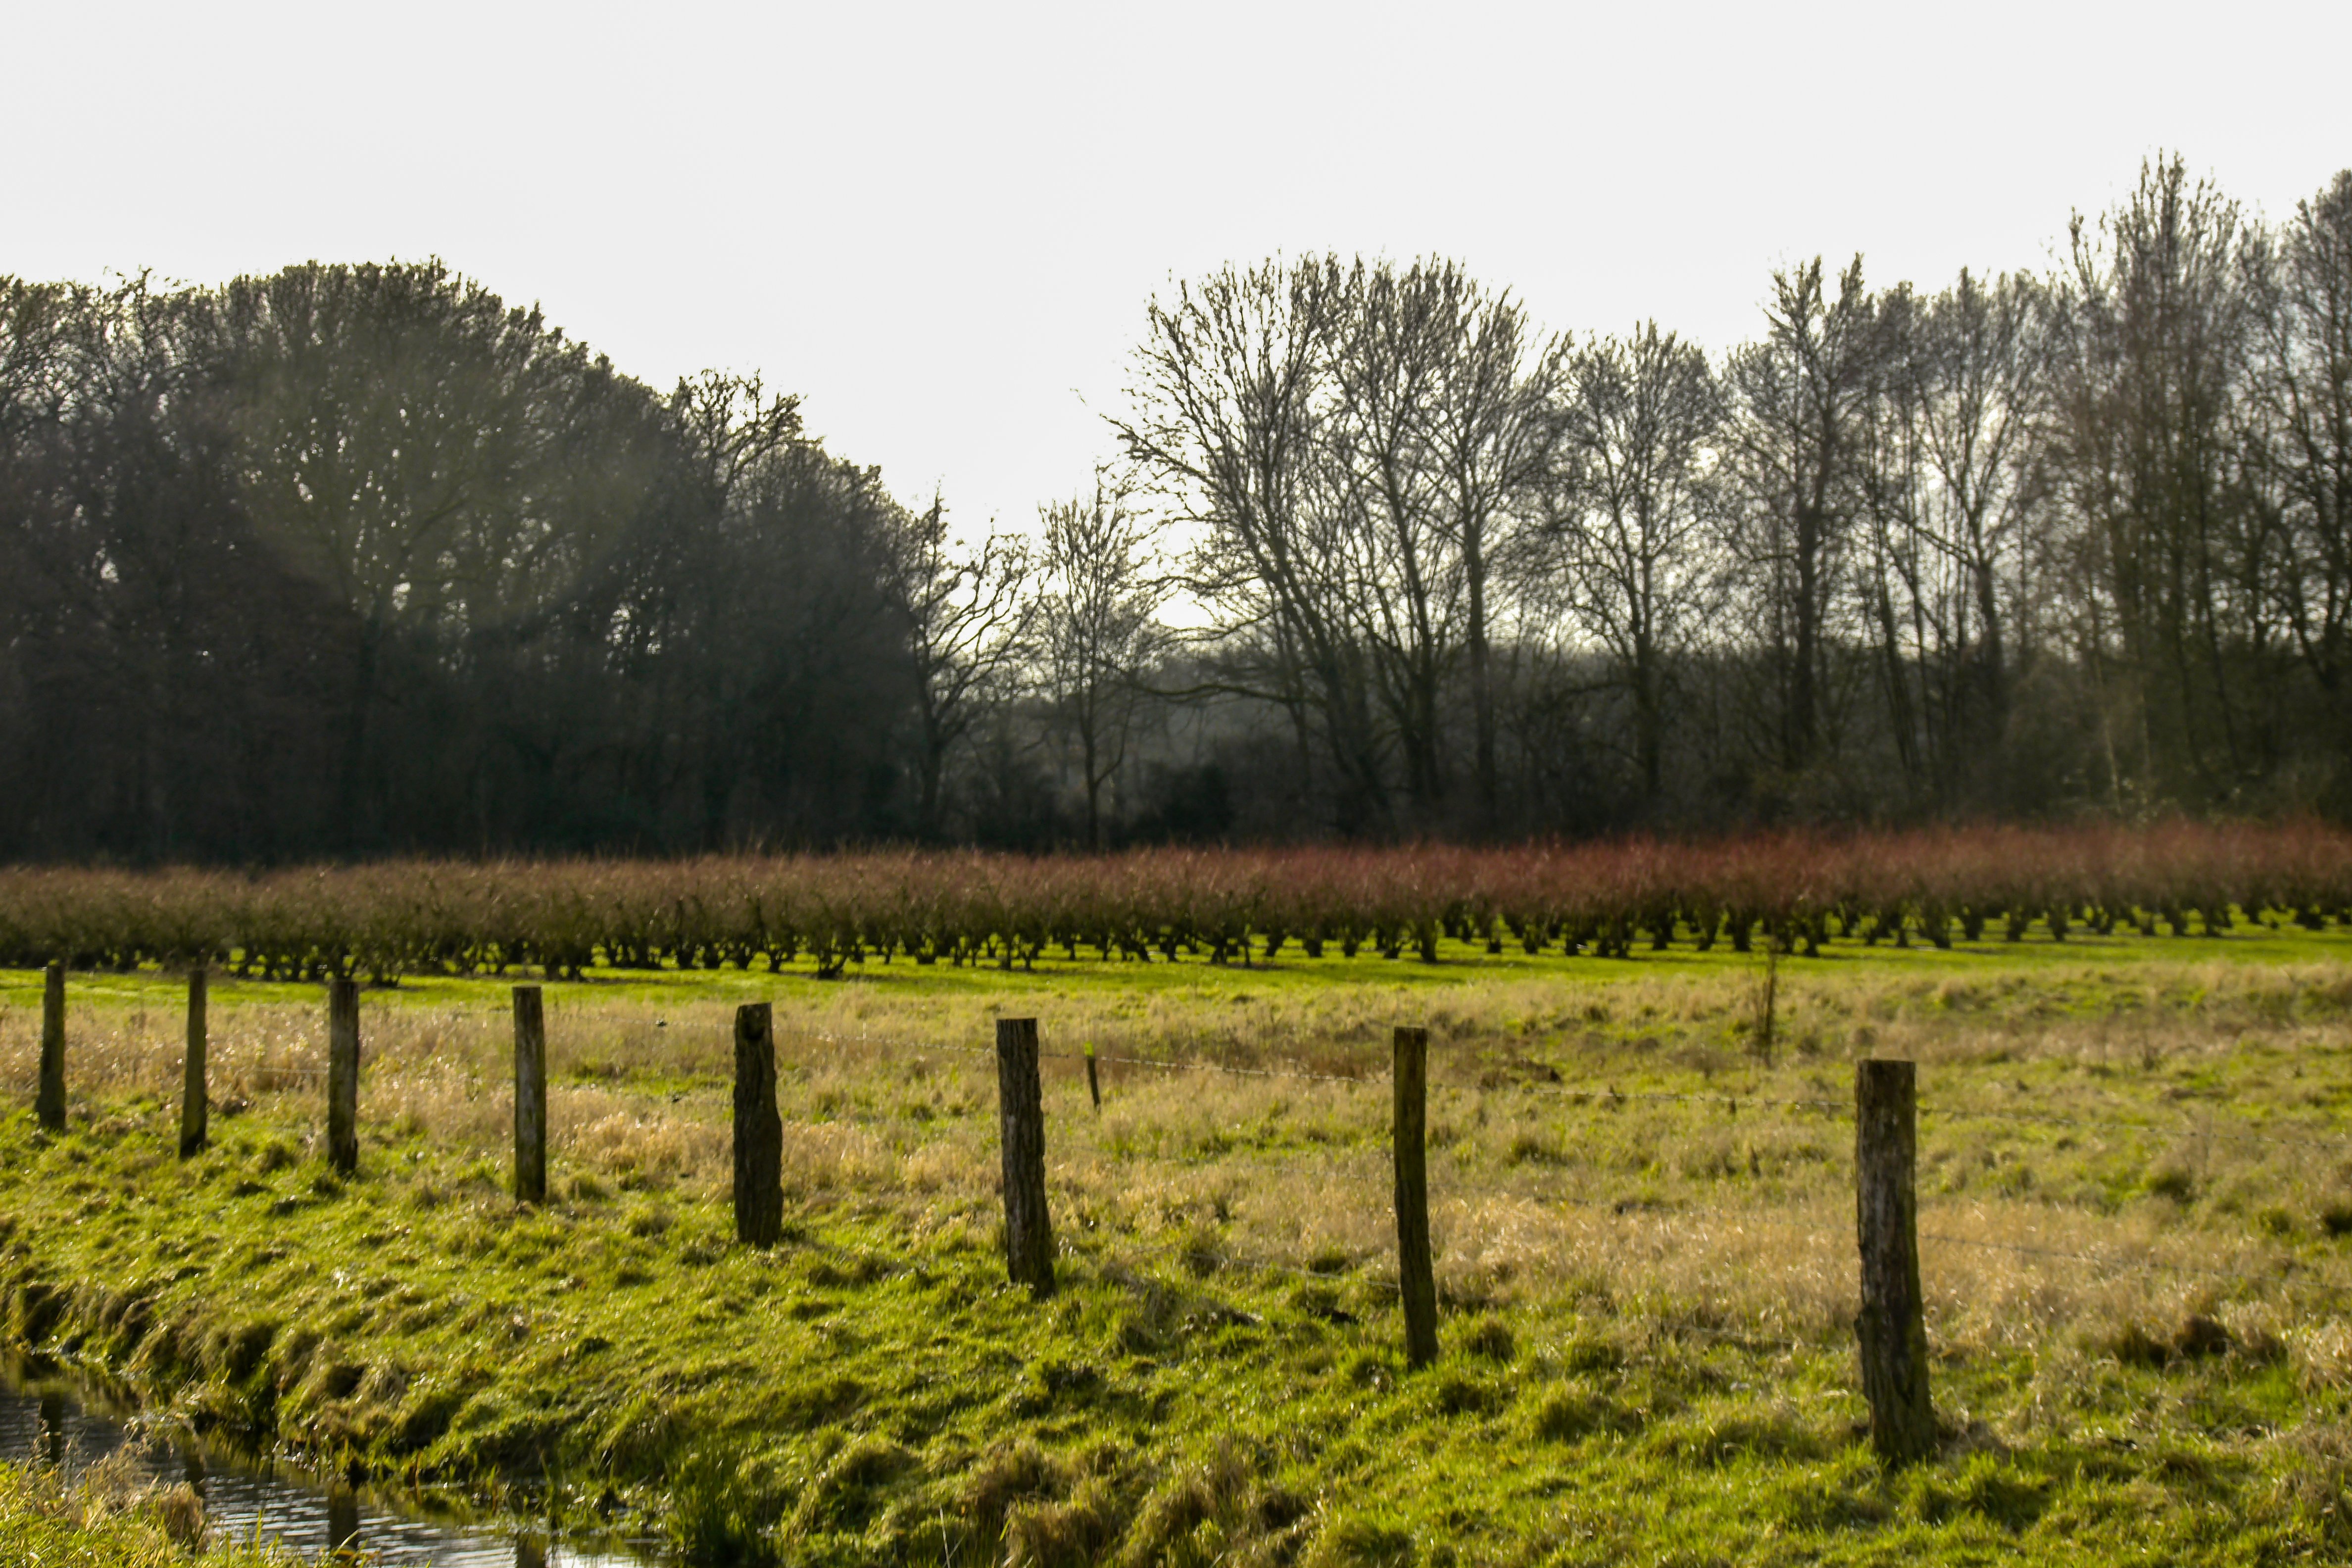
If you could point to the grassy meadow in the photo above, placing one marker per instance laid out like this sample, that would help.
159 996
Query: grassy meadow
2136 1209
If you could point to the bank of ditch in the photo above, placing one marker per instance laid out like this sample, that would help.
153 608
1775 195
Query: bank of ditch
104 1521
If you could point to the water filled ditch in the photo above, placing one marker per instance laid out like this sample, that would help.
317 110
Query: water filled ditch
52 1420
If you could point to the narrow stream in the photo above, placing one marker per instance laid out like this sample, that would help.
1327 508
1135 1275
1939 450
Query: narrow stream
50 1420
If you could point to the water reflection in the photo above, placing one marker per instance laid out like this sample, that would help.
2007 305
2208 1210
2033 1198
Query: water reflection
330 1522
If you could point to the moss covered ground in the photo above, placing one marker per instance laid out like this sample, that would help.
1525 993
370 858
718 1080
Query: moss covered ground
2137 1190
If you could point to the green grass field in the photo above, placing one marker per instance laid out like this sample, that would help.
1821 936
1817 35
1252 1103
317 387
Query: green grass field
2135 1183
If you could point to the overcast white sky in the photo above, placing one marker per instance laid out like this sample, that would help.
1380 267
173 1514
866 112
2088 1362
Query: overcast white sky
940 224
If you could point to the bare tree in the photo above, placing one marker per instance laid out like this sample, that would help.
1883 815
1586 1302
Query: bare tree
1358 444
1383 497
1227 412
1798 399
968 617
2301 385
1489 427
1630 516
1100 589
2148 445
1952 485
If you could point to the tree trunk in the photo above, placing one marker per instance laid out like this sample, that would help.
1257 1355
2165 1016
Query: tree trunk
1482 695
1802 723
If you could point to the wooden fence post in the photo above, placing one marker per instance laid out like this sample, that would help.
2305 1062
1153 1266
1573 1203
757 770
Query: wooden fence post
1094 1084
1891 1328
49 1100
53 1430
344 1074
530 1096
1021 1104
196 1105
759 1130
1416 1282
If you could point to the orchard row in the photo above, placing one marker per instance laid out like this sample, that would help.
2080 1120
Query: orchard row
1793 891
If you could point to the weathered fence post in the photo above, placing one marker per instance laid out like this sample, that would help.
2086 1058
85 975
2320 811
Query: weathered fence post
1094 1084
1021 1103
1891 1328
344 1074
196 1105
530 1096
1416 1282
49 1100
758 1130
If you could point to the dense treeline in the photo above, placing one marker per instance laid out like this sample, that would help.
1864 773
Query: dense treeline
354 560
